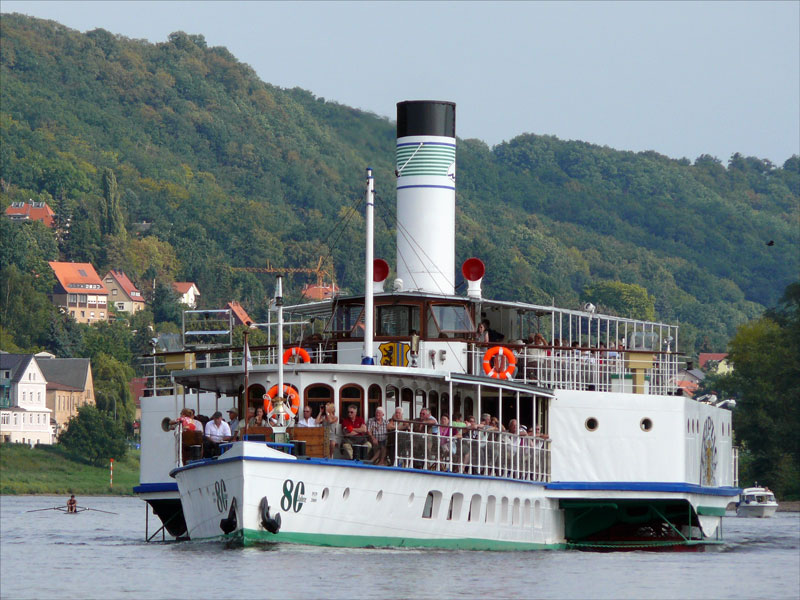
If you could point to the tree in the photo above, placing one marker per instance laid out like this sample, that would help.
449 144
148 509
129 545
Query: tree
765 354
626 299
111 389
94 437
166 307
114 221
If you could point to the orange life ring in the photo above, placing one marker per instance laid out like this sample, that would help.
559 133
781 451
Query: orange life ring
296 351
292 397
492 371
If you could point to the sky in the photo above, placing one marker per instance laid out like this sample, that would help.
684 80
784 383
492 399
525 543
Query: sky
681 78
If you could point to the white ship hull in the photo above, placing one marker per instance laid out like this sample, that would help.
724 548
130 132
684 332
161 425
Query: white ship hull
351 504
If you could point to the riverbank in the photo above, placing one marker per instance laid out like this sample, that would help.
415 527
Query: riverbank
49 470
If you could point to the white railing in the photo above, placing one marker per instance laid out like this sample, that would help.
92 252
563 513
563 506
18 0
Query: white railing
735 466
475 452
586 369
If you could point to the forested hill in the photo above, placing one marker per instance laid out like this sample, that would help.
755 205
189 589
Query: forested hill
231 171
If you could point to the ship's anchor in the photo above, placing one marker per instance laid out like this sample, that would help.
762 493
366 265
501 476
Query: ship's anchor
271 524
228 525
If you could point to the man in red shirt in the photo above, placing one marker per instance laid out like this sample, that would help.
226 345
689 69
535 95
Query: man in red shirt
354 431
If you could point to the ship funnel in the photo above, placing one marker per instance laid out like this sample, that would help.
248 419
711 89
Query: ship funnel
426 195
473 270
380 271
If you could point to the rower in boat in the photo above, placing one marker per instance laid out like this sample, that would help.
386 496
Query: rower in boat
72 504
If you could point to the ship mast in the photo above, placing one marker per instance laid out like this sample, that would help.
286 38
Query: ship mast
366 354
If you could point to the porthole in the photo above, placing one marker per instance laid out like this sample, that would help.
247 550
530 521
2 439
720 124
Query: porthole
646 424
411 499
325 494
379 496
591 424
688 426
346 493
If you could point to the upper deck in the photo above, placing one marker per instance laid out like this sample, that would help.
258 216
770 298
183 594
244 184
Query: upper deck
552 348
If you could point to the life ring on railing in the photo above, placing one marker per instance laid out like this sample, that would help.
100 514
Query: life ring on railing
491 371
292 399
296 351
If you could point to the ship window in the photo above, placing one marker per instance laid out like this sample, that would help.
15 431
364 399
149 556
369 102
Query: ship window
348 320
432 503
504 510
374 399
397 320
351 394
454 511
446 320
646 424
591 424
317 396
515 512
526 514
491 503
474 509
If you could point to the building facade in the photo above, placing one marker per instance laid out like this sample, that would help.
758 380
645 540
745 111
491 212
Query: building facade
79 291
122 294
69 386
24 416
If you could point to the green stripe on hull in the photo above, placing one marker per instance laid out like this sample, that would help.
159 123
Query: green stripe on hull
711 510
364 541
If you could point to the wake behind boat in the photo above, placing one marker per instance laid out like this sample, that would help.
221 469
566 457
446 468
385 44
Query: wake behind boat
549 428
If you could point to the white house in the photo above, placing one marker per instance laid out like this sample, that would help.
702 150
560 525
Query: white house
24 416
188 293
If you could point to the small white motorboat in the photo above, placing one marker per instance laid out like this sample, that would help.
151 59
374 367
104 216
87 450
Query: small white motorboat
756 502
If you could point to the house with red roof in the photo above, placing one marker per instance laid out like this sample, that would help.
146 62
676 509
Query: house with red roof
79 291
122 293
188 293
716 361
31 211
240 316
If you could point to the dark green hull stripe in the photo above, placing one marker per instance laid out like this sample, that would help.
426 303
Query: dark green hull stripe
364 541
711 510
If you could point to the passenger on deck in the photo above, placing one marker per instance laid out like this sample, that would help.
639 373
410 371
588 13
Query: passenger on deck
217 431
482 335
354 431
257 420
329 421
233 420
185 421
398 424
425 446
376 431
307 420
446 443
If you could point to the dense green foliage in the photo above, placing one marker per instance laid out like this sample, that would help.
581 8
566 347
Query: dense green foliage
52 470
174 161
93 436
766 385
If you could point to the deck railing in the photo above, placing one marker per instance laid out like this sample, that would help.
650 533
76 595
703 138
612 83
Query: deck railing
585 369
471 451
735 466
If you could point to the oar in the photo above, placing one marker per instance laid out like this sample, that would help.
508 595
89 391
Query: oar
98 510
41 509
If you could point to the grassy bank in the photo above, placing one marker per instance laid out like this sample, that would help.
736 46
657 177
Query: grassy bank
49 470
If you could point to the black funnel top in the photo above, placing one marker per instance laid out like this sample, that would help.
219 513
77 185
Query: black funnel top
426 117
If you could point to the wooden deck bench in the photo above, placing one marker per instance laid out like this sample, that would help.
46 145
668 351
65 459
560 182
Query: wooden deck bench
314 437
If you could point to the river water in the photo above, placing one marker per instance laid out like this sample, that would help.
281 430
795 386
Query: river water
50 554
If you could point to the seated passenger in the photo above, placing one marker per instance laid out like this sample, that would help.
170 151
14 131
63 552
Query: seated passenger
376 431
217 431
403 441
307 420
257 420
425 446
354 431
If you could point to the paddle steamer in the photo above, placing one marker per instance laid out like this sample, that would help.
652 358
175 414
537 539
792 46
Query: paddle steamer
614 454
